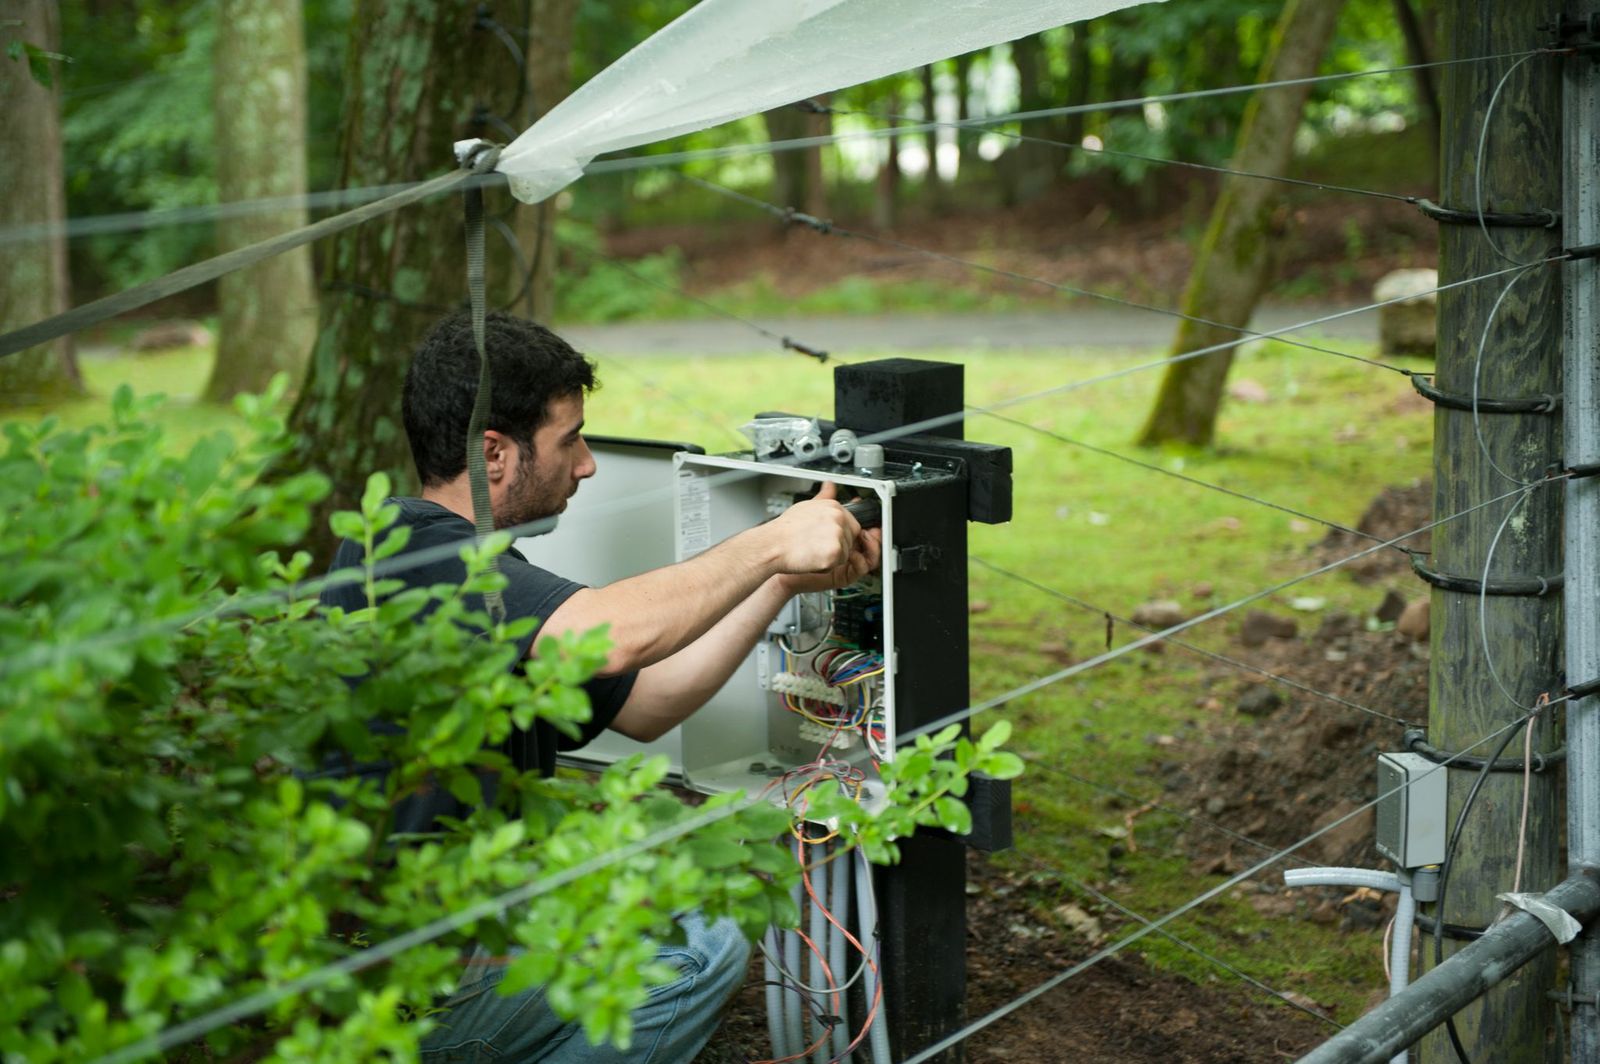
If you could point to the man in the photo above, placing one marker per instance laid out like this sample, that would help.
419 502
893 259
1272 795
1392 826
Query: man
677 635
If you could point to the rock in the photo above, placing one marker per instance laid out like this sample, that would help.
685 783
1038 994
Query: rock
1260 626
172 334
1408 327
1413 620
1159 613
1216 805
1392 606
1259 700
1202 590
1248 391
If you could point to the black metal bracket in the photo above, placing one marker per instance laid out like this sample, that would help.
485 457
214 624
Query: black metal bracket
1582 470
1543 218
1455 931
1528 586
1534 404
1416 741
1584 689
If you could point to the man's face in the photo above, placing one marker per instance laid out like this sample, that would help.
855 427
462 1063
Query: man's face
542 482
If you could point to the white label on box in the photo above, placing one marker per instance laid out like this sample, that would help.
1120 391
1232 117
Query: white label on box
694 514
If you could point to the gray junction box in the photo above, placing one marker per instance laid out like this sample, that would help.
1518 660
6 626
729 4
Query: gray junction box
1412 813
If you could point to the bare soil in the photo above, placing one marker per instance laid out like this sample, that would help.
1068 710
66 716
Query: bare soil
1253 790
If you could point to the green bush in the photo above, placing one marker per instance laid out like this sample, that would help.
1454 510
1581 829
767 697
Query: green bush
164 671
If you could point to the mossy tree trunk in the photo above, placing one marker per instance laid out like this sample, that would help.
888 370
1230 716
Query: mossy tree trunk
549 80
267 314
33 275
1235 257
788 167
416 73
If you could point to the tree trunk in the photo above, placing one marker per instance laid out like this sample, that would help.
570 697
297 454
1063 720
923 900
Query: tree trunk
1031 166
1235 256
33 275
415 76
1418 53
930 113
886 189
788 167
1079 70
549 80
817 125
267 314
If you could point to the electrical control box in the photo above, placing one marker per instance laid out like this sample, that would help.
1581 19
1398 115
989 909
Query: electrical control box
828 678
1412 817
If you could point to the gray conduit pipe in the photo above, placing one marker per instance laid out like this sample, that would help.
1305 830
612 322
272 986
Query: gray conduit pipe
775 994
817 954
1405 916
867 932
794 1003
839 904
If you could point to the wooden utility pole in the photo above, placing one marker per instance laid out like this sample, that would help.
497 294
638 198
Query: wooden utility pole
1520 172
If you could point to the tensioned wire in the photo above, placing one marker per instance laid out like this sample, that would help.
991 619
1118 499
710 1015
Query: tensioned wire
1105 899
828 228
1161 922
1193 648
265 999
1182 626
443 552
353 196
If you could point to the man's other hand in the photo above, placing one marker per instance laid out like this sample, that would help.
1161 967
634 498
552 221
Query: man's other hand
822 547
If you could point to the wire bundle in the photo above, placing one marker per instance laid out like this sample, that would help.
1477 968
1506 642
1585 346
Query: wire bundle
854 675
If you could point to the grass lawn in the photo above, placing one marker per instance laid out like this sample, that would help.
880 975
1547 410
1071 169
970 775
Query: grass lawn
1330 434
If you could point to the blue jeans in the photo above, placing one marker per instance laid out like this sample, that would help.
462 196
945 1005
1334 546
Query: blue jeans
670 1028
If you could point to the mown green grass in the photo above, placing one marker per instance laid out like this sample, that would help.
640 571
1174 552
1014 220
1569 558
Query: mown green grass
1330 436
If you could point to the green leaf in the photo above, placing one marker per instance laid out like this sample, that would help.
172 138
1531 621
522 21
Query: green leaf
376 491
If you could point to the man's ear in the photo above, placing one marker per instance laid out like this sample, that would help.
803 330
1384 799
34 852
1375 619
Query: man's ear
499 455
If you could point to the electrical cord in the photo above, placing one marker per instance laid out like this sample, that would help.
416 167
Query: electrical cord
1483 599
1448 863
1477 372
1477 172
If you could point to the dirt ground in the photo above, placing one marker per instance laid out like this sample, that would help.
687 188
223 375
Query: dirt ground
1265 768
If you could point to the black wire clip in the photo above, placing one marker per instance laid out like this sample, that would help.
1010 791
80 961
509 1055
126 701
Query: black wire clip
794 217
1416 740
1534 404
1542 218
795 345
1528 586
1581 470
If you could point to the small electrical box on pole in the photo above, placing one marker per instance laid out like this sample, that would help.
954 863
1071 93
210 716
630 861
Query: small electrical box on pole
841 680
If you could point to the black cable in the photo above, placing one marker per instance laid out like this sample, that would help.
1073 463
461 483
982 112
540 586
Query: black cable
1448 863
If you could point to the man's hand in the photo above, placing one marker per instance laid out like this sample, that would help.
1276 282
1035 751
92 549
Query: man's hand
815 536
866 554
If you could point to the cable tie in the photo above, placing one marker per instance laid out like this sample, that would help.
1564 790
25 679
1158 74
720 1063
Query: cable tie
1527 586
795 345
1539 218
1545 403
1416 740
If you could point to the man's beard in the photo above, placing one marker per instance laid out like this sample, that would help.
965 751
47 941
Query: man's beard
528 498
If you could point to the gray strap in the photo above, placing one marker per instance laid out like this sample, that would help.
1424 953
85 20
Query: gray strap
480 157
181 280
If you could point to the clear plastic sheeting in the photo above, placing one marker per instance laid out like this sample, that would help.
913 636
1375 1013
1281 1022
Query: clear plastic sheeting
725 59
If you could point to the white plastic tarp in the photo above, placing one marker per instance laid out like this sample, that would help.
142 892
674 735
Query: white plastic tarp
725 59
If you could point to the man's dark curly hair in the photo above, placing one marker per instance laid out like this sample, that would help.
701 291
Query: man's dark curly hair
529 365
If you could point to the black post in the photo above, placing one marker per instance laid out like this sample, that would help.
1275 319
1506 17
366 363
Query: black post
922 900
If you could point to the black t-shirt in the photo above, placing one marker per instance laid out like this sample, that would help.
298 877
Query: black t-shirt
530 592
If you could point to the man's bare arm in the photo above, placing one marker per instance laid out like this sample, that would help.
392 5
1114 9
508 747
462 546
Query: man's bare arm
668 691
656 614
